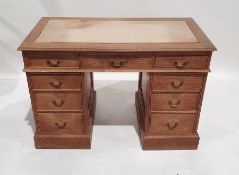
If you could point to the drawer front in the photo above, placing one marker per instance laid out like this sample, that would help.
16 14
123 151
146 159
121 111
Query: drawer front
58 101
174 101
177 82
181 63
59 123
60 81
172 123
52 60
118 63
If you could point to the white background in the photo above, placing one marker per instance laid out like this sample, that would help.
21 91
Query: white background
115 145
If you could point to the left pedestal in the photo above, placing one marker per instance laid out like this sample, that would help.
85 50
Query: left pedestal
63 101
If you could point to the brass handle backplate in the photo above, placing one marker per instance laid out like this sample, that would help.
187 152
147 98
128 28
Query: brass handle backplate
55 83
171 125
58 103
174 103
53 62
116 64
60 125
177 84
180 64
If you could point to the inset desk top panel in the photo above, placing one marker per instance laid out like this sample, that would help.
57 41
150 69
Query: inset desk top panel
116 31
116 34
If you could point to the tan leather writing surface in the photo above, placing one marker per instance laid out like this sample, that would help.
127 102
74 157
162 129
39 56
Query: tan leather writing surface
116 31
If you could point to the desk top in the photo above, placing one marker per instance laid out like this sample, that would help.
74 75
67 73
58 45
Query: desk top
116 34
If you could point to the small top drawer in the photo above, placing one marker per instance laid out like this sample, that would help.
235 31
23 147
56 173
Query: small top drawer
182 62
51 60
115 63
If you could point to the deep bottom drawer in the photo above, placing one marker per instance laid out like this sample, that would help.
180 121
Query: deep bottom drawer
172 123
59 123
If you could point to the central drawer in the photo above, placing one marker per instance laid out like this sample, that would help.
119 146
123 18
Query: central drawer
115 63
56 81
59 123
174 101
58 101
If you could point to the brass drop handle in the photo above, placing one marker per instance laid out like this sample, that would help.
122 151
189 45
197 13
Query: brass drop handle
177 84
174 103
60 125
116 64
53 62
58 103
171 125
180 64
55 83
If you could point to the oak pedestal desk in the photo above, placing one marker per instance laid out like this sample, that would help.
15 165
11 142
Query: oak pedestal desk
172 56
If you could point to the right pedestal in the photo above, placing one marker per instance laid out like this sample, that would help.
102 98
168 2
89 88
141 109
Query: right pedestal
168 108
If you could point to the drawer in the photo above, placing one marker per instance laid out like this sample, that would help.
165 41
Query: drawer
172 123
58 81
177 82
59 123
52 60
174 101
58 101
181 63
115 63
